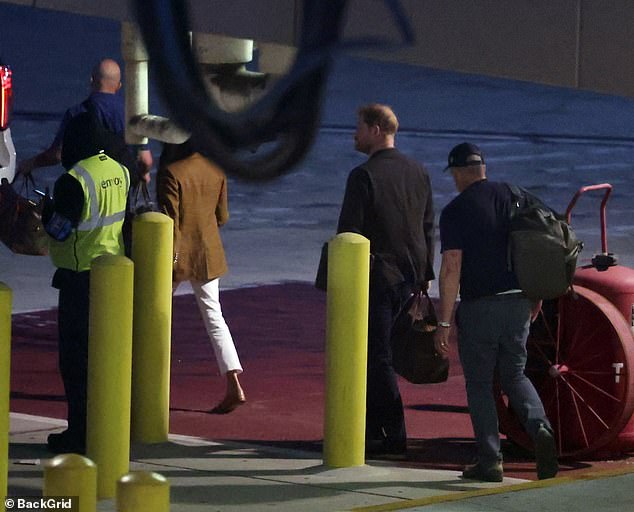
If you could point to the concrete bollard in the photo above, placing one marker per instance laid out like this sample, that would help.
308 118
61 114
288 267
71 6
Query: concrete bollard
346 350
6 304
71 474
109 369
143 491
152 252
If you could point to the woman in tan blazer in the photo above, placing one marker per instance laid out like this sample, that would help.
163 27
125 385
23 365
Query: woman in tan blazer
193 192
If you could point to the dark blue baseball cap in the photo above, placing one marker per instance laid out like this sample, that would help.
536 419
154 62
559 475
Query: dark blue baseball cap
464 155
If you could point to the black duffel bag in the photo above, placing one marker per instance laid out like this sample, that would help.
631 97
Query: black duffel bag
414 356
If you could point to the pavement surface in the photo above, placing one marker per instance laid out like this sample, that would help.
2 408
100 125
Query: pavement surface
206 475
268 453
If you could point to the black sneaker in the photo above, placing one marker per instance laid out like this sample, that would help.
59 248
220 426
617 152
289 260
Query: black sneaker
66 442
381 449
489 473
546 454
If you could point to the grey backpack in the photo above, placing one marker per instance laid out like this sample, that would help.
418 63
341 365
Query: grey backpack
543 248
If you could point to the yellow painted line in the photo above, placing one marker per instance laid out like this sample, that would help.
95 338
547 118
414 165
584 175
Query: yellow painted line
524 486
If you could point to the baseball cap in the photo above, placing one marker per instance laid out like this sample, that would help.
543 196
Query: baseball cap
463 155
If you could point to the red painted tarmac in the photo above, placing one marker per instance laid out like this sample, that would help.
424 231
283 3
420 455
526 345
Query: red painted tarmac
279 331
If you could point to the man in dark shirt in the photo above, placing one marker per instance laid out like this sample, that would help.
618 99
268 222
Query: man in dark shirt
109 108
493 317
388 200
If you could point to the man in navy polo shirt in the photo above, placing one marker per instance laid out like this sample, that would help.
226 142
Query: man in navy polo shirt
493 317
109 107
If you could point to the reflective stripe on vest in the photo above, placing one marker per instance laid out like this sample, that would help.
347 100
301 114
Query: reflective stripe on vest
94 221
104 184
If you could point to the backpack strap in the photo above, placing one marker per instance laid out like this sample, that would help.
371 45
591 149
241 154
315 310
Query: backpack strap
518 195
515 190
517 201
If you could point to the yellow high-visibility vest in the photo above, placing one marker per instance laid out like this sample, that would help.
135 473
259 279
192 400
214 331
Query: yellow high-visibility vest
105 184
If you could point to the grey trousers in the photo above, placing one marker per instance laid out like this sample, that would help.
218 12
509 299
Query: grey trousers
492 333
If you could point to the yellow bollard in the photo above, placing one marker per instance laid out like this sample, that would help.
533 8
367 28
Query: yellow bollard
143 491
346 350
6 299
152 251
109 369
72 475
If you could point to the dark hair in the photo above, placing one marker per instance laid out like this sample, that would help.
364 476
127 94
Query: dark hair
174 152
81 140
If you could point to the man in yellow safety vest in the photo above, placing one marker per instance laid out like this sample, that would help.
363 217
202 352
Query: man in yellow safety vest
84 220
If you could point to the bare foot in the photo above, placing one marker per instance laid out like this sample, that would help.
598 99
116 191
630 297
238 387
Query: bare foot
229 403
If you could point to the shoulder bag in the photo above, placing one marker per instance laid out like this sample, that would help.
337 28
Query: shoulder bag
138 202
414 356
21 228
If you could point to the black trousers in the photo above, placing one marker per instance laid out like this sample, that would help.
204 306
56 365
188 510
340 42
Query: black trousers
384 408
72 322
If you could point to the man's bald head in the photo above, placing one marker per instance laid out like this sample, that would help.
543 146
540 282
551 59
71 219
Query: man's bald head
106 76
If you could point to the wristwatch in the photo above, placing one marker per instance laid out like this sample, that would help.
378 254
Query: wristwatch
446 325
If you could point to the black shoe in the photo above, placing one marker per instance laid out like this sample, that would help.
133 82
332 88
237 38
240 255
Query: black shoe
546 454
383 449
66 442
489 473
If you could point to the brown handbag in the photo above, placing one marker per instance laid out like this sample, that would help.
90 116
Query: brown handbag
414 356
21 228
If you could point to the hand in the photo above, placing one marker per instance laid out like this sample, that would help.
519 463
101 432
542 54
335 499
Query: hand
145 177
441 341
537 307
144 164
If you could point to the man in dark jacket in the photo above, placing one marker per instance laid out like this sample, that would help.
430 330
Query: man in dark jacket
388 200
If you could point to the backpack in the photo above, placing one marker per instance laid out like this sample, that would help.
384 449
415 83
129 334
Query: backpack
543 248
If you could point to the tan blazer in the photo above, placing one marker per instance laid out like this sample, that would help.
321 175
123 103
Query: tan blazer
193 192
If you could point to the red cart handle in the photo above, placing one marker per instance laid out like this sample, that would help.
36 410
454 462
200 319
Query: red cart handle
608 190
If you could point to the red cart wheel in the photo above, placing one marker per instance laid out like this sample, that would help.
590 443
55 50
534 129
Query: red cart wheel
580 360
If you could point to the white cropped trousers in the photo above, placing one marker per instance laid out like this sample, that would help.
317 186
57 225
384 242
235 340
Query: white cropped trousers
207 295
